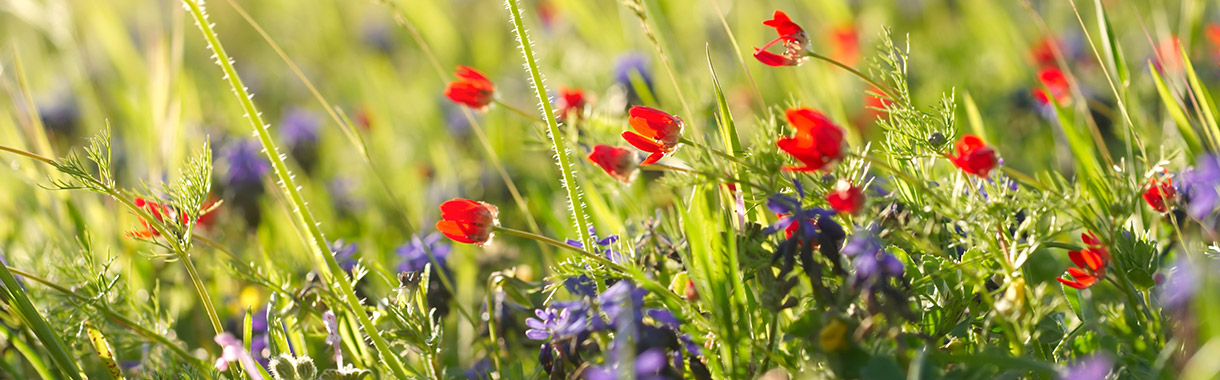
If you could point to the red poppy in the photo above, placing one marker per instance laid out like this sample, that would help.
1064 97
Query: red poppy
159 211
1169 55
659 132
467 221
571 101
974 156
471 89
1160 194
818 142
1090 263
1052 80
619 163
793 38
1044 51
1213 35
846 44
846 198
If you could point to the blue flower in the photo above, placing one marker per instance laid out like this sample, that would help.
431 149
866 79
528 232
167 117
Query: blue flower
548 322
808 222
1199 185
581 286
648 366
1181 286
1096 367
623 303
873 264
345 253
414 254
630 68
245 164
299 127
602 246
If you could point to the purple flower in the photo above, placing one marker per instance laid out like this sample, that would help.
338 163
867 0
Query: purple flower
549 322
648 366
809 222
1092 368
623 303
1199 186
345 253
602 246
300 127
415 253
1181 285
245 164
630 68
581 286
873 264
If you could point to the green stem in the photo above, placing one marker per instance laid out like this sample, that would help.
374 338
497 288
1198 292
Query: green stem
734 159
557 143
334 274
885 90
904 175
517 111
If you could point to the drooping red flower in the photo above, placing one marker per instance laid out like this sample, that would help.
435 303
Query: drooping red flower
846 44
472 89
571 101
792 37
1052 79
659 133
818 142
467 221
846 198
1160 194
974 156
620 163
1090 263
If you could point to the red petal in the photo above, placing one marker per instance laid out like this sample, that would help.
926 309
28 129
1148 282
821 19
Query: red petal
465 72
769 58
653 158
642 143
458 209
454 231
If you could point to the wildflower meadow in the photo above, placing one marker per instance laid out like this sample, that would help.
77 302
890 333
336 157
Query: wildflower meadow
626 189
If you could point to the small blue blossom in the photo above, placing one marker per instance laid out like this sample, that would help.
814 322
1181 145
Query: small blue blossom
648 366
629 68
549 322
414 254
1096 367
1199 185
345 253
245 164
300 127
1181 285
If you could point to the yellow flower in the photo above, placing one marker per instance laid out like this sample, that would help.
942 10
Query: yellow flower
833 336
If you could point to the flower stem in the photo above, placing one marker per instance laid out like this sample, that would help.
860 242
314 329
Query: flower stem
885 90
517 111
557 143
334 274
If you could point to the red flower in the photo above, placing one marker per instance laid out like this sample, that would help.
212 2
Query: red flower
1044 51
974 156
1090 263
846 44
793 38
1052 80
659 132
818 142
571 101
1169 55
1160 194
472 89
159 211
619 163
846 198
1213 35
467 221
